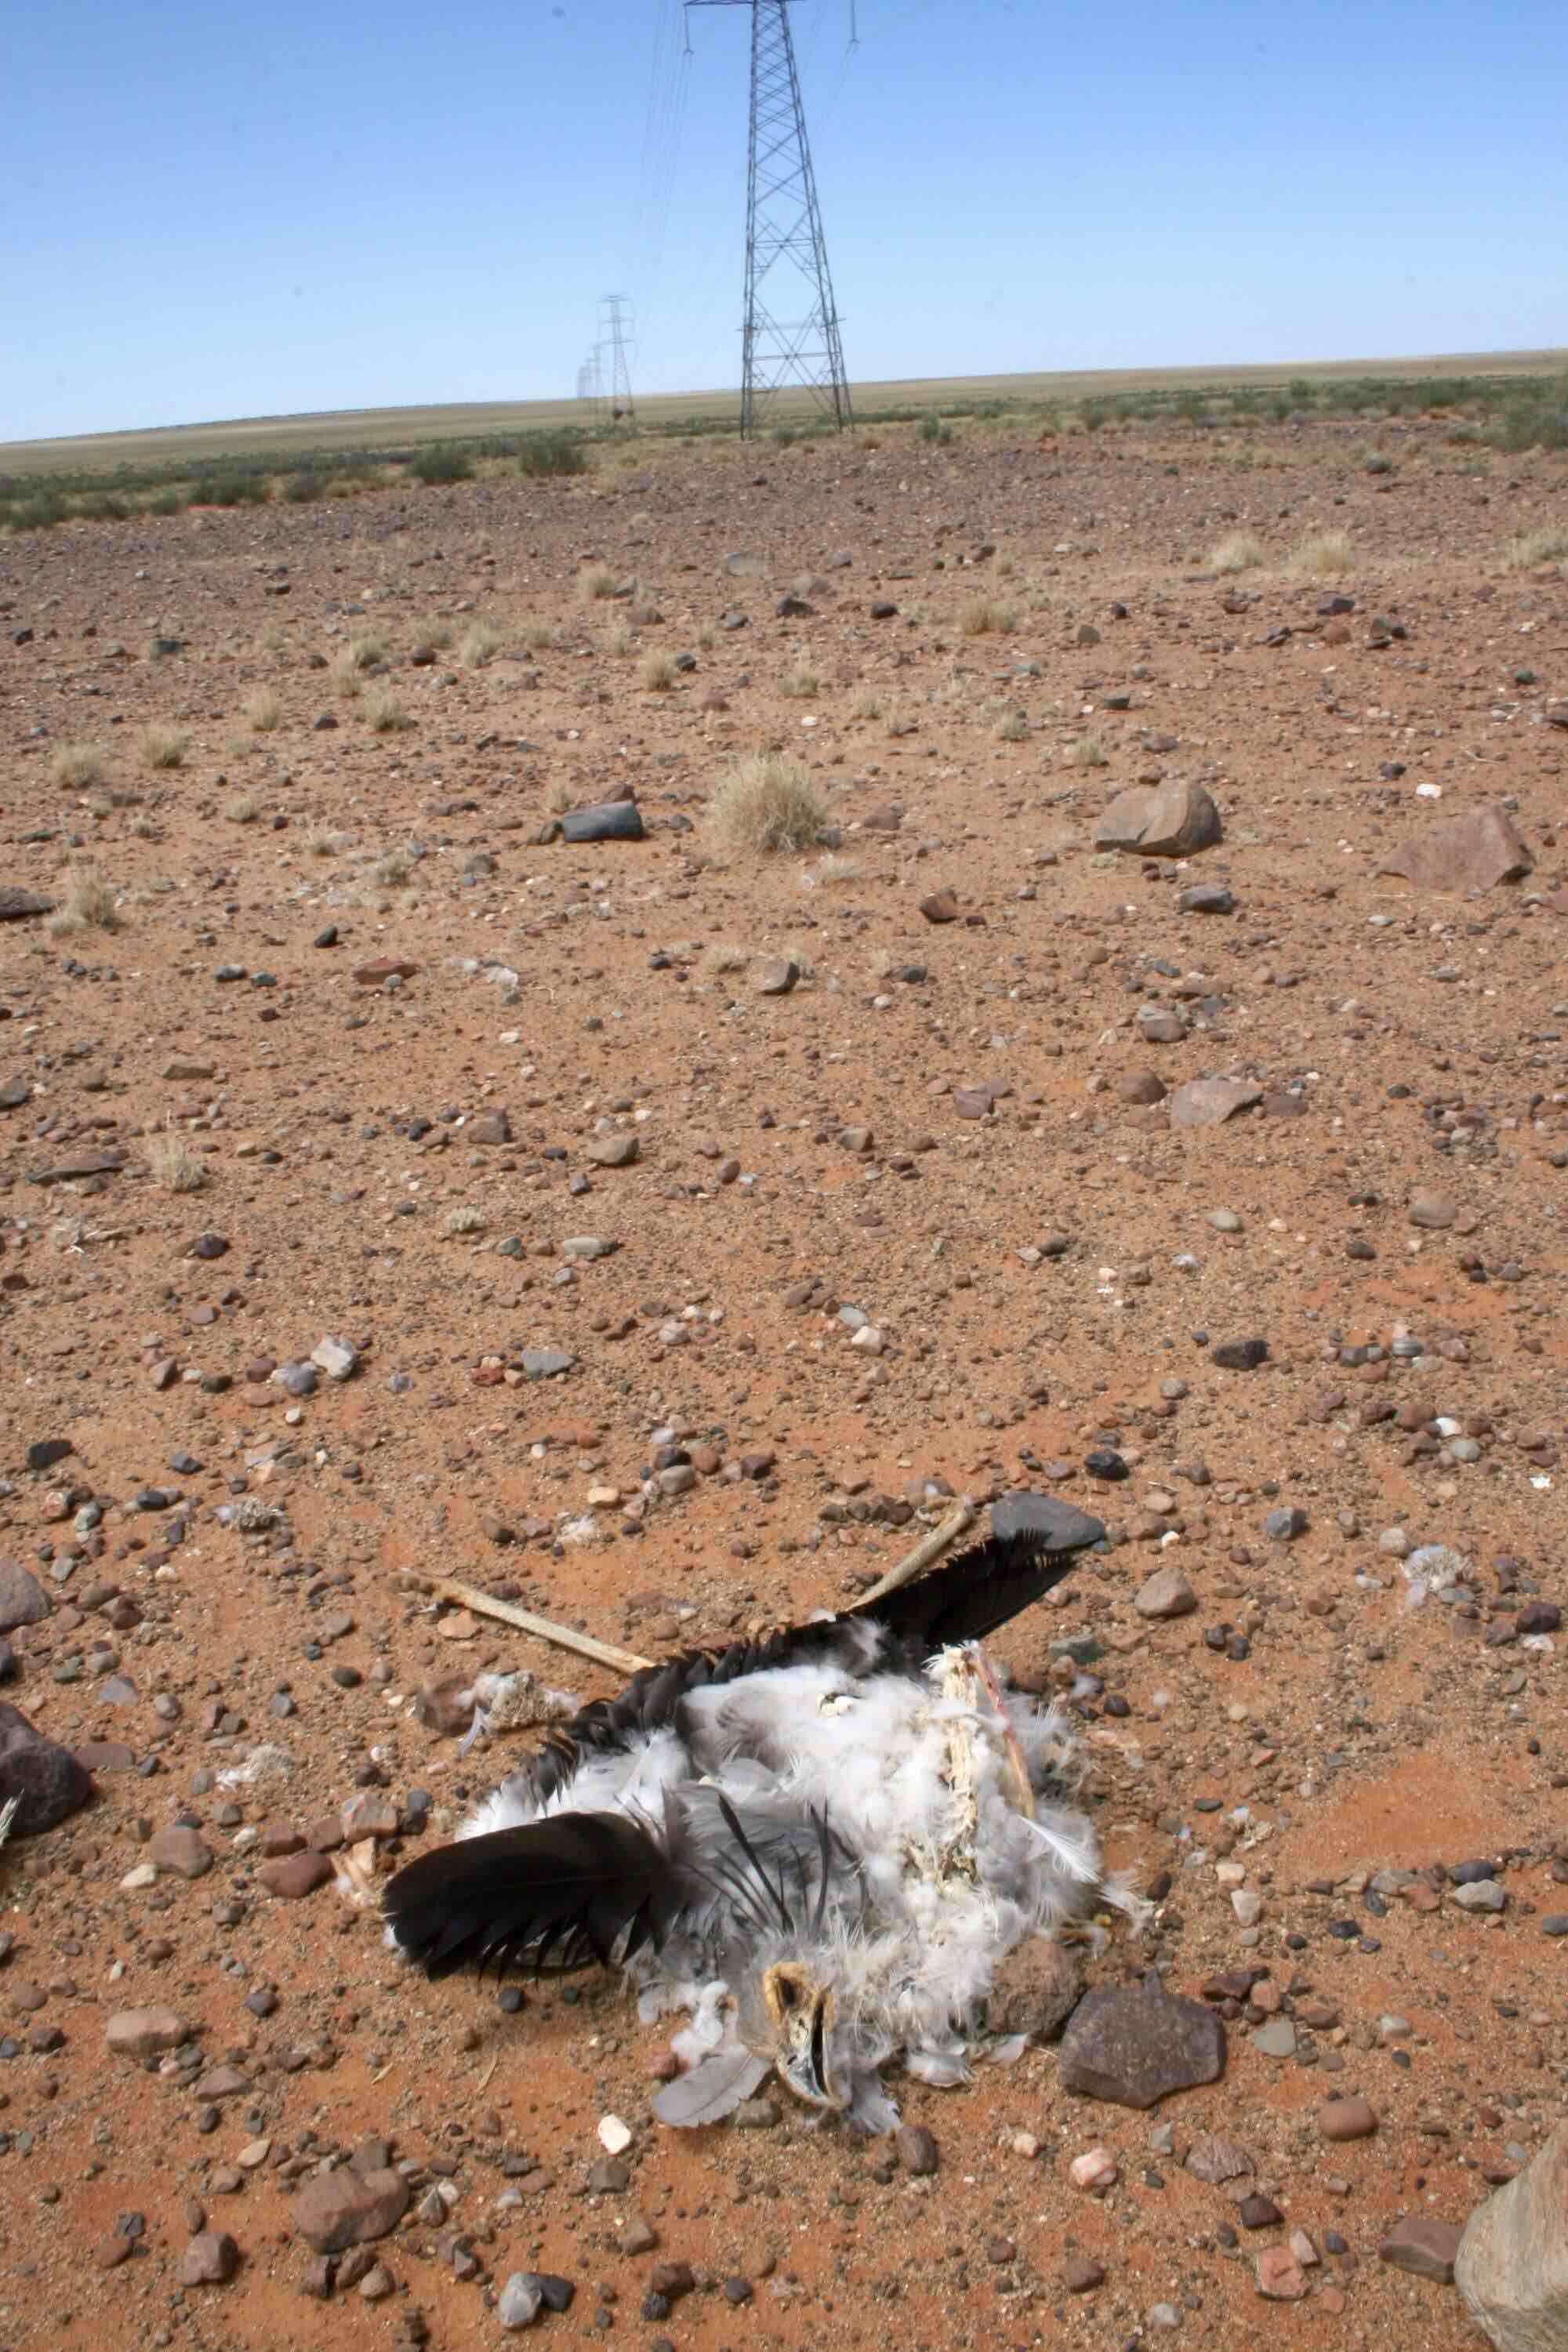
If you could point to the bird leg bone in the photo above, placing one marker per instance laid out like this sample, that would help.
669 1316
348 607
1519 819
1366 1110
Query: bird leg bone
985 1674
958 1522
957 1858
544 1629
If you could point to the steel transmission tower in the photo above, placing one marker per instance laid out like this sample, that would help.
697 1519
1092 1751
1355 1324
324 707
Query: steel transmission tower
786 253
614 314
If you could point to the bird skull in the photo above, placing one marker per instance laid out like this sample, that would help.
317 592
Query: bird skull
802 2013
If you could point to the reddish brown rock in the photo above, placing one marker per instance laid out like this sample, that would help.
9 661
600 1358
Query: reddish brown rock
295 1874
380 969
334 2211
1346 2119
180 1852
1280 2278
211 2259
1423 2245
941 906
146 2032
1168 819
1209 1102
618 1151
1473 852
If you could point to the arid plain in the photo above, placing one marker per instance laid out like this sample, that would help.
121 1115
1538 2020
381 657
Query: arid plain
318 1030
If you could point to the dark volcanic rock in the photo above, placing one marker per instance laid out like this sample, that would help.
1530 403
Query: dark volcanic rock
1135 2044
1240 1355
81 1163
23 1601
15 904
1063 1526
609 821
48 1779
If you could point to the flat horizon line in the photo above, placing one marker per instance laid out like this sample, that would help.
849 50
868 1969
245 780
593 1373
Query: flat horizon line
386 416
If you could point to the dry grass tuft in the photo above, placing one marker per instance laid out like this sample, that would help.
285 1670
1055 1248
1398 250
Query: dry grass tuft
984 616
392 870
1239 552
1086 751
658 671
367 648
174 1164
538 636
465 1221
720 959
595 585
764 805
264 710
1531 549
559 795
800 684
386 714
1324 554
87 904
867 705
319 843
828 871
79 765
244 809
480 643
1013 729
162 747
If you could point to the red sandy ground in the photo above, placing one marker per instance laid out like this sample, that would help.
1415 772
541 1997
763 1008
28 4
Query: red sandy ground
1360 1734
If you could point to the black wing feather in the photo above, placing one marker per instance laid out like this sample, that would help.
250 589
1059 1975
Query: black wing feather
968 1597
580 1886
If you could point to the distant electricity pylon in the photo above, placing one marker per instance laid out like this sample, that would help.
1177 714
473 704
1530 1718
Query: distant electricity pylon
590 383
615 333
783 233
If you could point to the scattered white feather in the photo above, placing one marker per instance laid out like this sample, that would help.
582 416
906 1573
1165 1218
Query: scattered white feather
264 1764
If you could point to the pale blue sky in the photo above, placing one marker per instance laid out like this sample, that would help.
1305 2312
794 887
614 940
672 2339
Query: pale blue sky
212 212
